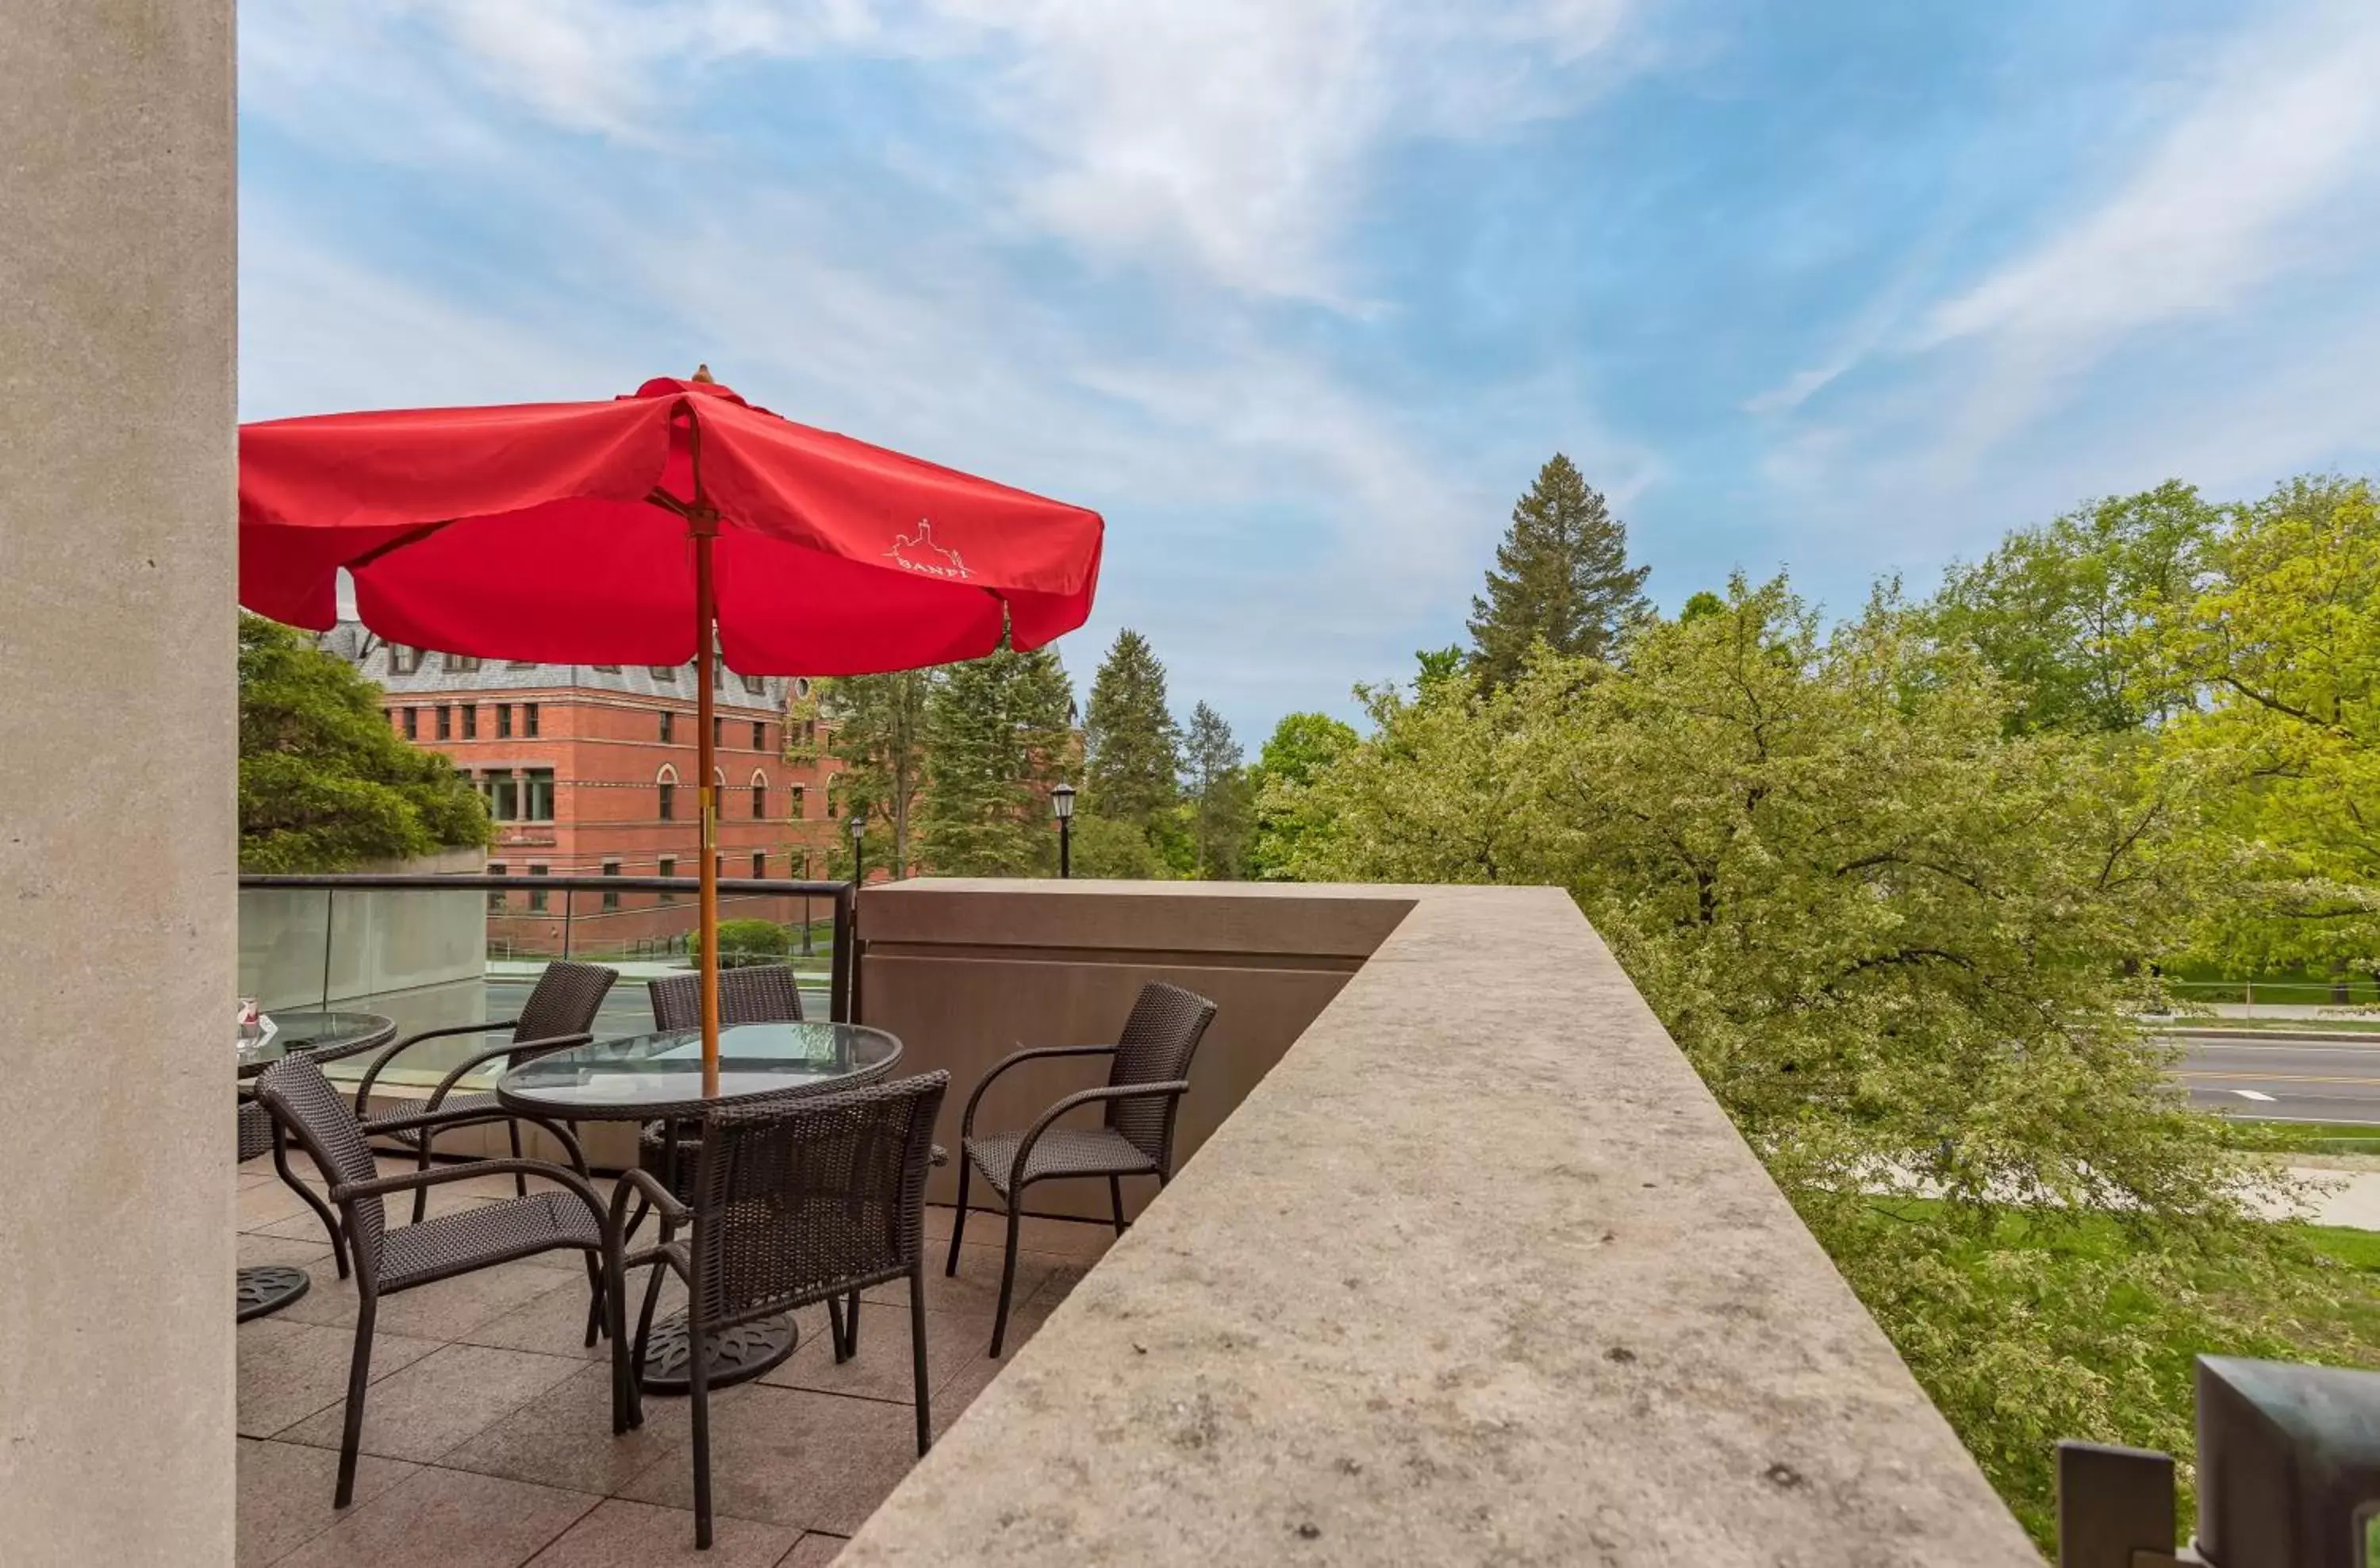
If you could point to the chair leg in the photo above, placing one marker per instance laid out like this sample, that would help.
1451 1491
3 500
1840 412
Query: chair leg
421 1194
834 1325
644 1341
851 1326
322 1210
358 1378
958 1220
595 1294
918 1353
698 1388
1115 1200
520 1178
1007 1271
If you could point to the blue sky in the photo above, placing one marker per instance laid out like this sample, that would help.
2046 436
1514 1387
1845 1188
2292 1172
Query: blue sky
1300 293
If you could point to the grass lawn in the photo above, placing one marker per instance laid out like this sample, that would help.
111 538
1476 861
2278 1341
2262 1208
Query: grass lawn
2314 1138
2266 1026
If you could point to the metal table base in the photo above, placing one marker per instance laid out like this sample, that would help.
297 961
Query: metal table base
737 1354
269 1287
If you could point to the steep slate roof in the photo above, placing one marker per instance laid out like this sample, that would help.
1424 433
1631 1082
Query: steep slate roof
371 654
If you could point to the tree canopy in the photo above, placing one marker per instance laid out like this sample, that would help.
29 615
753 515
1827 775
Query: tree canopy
1219 794
1561 577
997 738
324 783
880 734
1302 745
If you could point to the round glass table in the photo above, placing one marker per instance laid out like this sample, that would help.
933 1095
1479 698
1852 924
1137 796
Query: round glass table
659 1077
268 1287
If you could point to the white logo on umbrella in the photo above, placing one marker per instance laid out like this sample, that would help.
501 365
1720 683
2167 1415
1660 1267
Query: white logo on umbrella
922 554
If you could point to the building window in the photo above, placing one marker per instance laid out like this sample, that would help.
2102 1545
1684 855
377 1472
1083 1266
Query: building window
605 669
445 722
718 867
718 731
669 869
759 736
413 724
503 721
528 719
663 672
536 795
668 726
810 732
759 798
496 895
536 894
752 685
403 661
798 794
520 663
470 720
610 895
458 663
665 789
503 797
759 863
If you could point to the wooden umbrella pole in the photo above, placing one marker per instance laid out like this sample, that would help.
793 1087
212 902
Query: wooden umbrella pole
705 528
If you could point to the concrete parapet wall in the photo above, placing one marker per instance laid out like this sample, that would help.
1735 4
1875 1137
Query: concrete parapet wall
1478 1271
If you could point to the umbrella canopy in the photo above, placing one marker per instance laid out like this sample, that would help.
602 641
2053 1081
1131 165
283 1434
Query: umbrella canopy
558 532
649 530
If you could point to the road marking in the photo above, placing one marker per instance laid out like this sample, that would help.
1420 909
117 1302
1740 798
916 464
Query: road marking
2280 1078
2251 1094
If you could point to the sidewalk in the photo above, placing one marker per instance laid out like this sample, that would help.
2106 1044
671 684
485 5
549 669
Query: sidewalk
2353 1199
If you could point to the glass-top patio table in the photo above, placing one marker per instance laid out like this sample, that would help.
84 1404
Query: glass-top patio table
659 1077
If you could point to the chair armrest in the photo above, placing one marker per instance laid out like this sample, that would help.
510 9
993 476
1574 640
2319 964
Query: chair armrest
518 1050
665 1203
1169 1087
381 1186
371 1074
966 1119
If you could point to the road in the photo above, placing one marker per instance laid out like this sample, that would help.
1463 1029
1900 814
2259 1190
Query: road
2291 1077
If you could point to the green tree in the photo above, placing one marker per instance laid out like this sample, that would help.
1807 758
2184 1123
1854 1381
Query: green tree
324 783
1895 938
1561 577
2061 612
997 738
880 735
1132 760
1220 799
1302 745
2283 647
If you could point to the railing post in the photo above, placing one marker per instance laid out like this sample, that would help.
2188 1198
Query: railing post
329 897
568 903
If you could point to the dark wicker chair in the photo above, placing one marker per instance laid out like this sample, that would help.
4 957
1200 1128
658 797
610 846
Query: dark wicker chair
764 993
795 1201
559 1012
1149 1072
305 1105
260 1135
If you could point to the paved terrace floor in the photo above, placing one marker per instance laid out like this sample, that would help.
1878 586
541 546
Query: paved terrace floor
486 1437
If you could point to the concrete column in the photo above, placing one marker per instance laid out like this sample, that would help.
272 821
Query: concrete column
117 766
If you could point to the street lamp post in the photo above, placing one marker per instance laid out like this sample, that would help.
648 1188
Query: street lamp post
858 835
1061 806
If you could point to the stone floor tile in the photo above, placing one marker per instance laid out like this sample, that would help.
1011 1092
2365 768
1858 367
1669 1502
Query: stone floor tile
563 1438
442 1401
636 1534
882 1368
791 1457
285 1490
551 1323
446 1519
974 1289
290 1370
814 1550
952 1400
450 1309
254 1248
266 1204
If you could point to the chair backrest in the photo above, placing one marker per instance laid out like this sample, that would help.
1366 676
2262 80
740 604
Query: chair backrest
563 1001
799 1199
765 993
1156 1046
303 1101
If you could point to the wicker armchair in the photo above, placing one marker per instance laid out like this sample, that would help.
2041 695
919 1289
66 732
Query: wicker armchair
765 993
261 1136
795 1201
305 1105
559 1012
1149 1072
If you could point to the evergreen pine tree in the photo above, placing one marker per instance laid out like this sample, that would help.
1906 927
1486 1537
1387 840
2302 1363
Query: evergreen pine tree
1131 747
881 735
997 738
1561 576
1222 803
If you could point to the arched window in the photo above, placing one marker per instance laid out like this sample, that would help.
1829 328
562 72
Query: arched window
665 790
760 796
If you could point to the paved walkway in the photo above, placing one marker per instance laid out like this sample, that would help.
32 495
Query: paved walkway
2352 1201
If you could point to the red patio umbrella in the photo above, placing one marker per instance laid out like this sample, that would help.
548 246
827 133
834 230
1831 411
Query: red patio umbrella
650 529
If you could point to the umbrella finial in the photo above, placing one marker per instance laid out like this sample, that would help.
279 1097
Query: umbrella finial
702 374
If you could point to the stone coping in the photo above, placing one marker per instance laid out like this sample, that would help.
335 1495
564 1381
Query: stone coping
1496 1284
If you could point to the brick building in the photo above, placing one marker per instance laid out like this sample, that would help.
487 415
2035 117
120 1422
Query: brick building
589 770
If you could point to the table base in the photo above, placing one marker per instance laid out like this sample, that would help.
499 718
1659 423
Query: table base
269 1287
737 1354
